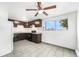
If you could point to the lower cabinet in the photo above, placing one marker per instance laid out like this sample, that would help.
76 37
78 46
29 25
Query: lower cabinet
21 36
27 36
36 38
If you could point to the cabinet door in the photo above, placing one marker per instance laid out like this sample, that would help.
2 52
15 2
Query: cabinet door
38 23
36 38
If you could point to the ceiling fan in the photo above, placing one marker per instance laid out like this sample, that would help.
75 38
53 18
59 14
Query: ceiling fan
40 9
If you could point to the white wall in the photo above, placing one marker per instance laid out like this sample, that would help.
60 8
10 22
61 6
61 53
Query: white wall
6 36
77 50
64 38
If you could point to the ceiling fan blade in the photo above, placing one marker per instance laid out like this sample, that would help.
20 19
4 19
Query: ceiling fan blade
45 13
50 7
39 5
36 14
31 9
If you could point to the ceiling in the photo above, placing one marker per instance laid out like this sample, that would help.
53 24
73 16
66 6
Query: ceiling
16 10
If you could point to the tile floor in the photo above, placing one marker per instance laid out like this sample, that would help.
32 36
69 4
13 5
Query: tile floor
26 48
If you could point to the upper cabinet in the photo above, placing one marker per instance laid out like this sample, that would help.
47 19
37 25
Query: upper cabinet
37 23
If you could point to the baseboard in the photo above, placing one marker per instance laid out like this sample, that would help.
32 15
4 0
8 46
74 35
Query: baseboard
58 45
7 52
77 52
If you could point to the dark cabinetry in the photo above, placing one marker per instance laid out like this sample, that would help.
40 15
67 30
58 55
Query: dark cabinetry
36 38
27 36
37 23
21 36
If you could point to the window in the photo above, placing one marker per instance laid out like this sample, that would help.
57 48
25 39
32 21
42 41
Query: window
56 25
50 25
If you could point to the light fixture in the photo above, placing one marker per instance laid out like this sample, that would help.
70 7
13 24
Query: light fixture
40 11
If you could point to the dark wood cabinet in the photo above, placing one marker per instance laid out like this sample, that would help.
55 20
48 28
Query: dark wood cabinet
37 23
27 36
21 36
36 38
